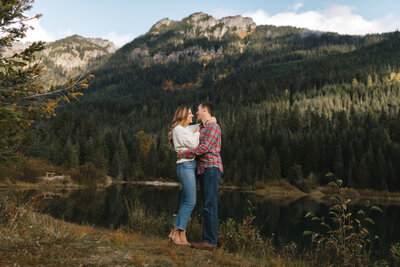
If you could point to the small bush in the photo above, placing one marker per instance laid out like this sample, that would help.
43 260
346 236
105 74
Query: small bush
89 175
244 236
26 170
309 183
140 220
306 184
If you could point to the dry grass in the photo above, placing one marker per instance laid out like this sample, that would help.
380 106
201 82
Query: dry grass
30 238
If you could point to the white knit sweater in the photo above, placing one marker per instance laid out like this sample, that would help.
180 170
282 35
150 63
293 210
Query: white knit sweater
185 138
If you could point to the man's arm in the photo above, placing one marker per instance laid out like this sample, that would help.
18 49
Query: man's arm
207 142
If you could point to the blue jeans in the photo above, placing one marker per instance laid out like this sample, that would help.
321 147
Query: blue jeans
187 175
209 181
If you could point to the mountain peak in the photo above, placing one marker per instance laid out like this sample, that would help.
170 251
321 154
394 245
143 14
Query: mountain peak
164 22
200 16
201 24
80 40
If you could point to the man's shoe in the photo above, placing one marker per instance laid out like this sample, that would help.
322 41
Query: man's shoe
202 245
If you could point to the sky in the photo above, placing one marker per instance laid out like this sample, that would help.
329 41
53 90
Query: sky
120 21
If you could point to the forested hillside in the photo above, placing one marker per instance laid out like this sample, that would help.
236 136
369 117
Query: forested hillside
292 104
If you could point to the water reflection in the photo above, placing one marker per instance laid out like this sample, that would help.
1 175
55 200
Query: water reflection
283 218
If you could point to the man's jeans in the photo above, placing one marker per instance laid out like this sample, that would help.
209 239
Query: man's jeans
209 181
187 175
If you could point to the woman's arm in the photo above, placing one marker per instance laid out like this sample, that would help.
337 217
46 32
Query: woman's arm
187 138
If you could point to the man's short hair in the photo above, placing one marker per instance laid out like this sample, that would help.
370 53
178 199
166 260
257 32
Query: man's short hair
208 106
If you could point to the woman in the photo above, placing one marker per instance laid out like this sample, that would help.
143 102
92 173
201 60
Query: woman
183 137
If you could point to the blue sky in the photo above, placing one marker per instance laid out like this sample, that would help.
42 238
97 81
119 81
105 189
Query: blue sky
122 20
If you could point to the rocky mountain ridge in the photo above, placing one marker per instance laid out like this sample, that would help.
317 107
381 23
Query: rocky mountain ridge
70 56
202 24
178 38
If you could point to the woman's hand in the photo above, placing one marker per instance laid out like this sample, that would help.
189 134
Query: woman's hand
197 129
213 119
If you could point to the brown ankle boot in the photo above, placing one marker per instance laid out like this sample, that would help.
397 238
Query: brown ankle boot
174 236
182 236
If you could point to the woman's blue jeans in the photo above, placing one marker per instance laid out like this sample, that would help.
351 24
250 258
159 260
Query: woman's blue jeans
187 175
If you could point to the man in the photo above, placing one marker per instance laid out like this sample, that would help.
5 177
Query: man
209 170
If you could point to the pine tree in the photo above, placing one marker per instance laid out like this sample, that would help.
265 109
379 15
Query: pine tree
364 177
295 174
115 168
123 157
274 166
101 155
71 156
369 81
338 169
379 172
354 83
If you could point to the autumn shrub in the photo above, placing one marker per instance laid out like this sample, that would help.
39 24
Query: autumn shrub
347 240
26 170
244 236
89 175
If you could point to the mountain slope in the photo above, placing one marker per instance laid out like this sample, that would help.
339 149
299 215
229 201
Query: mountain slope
69 57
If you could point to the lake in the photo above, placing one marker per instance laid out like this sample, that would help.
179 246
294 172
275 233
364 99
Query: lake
283 218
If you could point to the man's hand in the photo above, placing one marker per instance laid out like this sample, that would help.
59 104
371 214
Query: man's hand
180 155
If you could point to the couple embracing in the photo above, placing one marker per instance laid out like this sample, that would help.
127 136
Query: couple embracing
198 149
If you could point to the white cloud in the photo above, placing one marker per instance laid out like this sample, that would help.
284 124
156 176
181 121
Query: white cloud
118 40
297 6
38 33
219 13
336 18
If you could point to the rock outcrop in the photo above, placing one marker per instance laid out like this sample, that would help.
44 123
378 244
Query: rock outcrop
168 39
202 24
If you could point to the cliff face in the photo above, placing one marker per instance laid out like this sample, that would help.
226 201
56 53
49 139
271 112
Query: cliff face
76 51
203 25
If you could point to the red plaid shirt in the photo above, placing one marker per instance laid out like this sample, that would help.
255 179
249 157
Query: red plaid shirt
209 148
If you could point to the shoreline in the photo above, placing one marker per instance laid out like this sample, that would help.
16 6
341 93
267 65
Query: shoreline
281 190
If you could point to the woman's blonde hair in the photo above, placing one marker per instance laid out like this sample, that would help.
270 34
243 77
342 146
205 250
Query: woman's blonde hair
180 117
